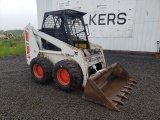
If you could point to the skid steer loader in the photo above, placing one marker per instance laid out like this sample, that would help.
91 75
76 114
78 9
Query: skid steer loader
61 51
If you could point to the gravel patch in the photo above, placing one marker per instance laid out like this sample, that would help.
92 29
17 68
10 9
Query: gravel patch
22 98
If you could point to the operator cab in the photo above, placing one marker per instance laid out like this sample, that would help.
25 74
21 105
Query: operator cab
67 26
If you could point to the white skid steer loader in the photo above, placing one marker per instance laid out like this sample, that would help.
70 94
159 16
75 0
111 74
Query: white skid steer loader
61 51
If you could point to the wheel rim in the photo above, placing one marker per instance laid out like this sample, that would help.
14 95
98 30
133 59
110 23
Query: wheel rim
63 76
38 71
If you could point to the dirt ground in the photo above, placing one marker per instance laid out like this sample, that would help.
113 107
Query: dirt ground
21 98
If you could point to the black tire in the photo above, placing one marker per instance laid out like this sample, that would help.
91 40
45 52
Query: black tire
46 67
75 75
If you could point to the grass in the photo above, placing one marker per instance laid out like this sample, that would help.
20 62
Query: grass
12 47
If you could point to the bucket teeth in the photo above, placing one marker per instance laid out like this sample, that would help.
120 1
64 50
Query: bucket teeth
118 101
123 96
128 87
132 84
125 91
134 81
117 109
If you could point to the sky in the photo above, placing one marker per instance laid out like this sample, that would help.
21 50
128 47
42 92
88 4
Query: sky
16 14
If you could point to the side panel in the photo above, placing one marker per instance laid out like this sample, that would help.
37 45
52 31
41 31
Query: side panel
32 48
68 51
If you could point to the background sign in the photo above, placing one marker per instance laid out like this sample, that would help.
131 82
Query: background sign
105 18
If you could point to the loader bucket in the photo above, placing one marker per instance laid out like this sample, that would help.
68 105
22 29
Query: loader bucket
109 86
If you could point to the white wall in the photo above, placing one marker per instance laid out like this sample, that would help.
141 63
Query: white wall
140 32
42 6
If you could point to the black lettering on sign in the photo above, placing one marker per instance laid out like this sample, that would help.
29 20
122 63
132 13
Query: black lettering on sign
101 19
111 19
123 20
92 19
